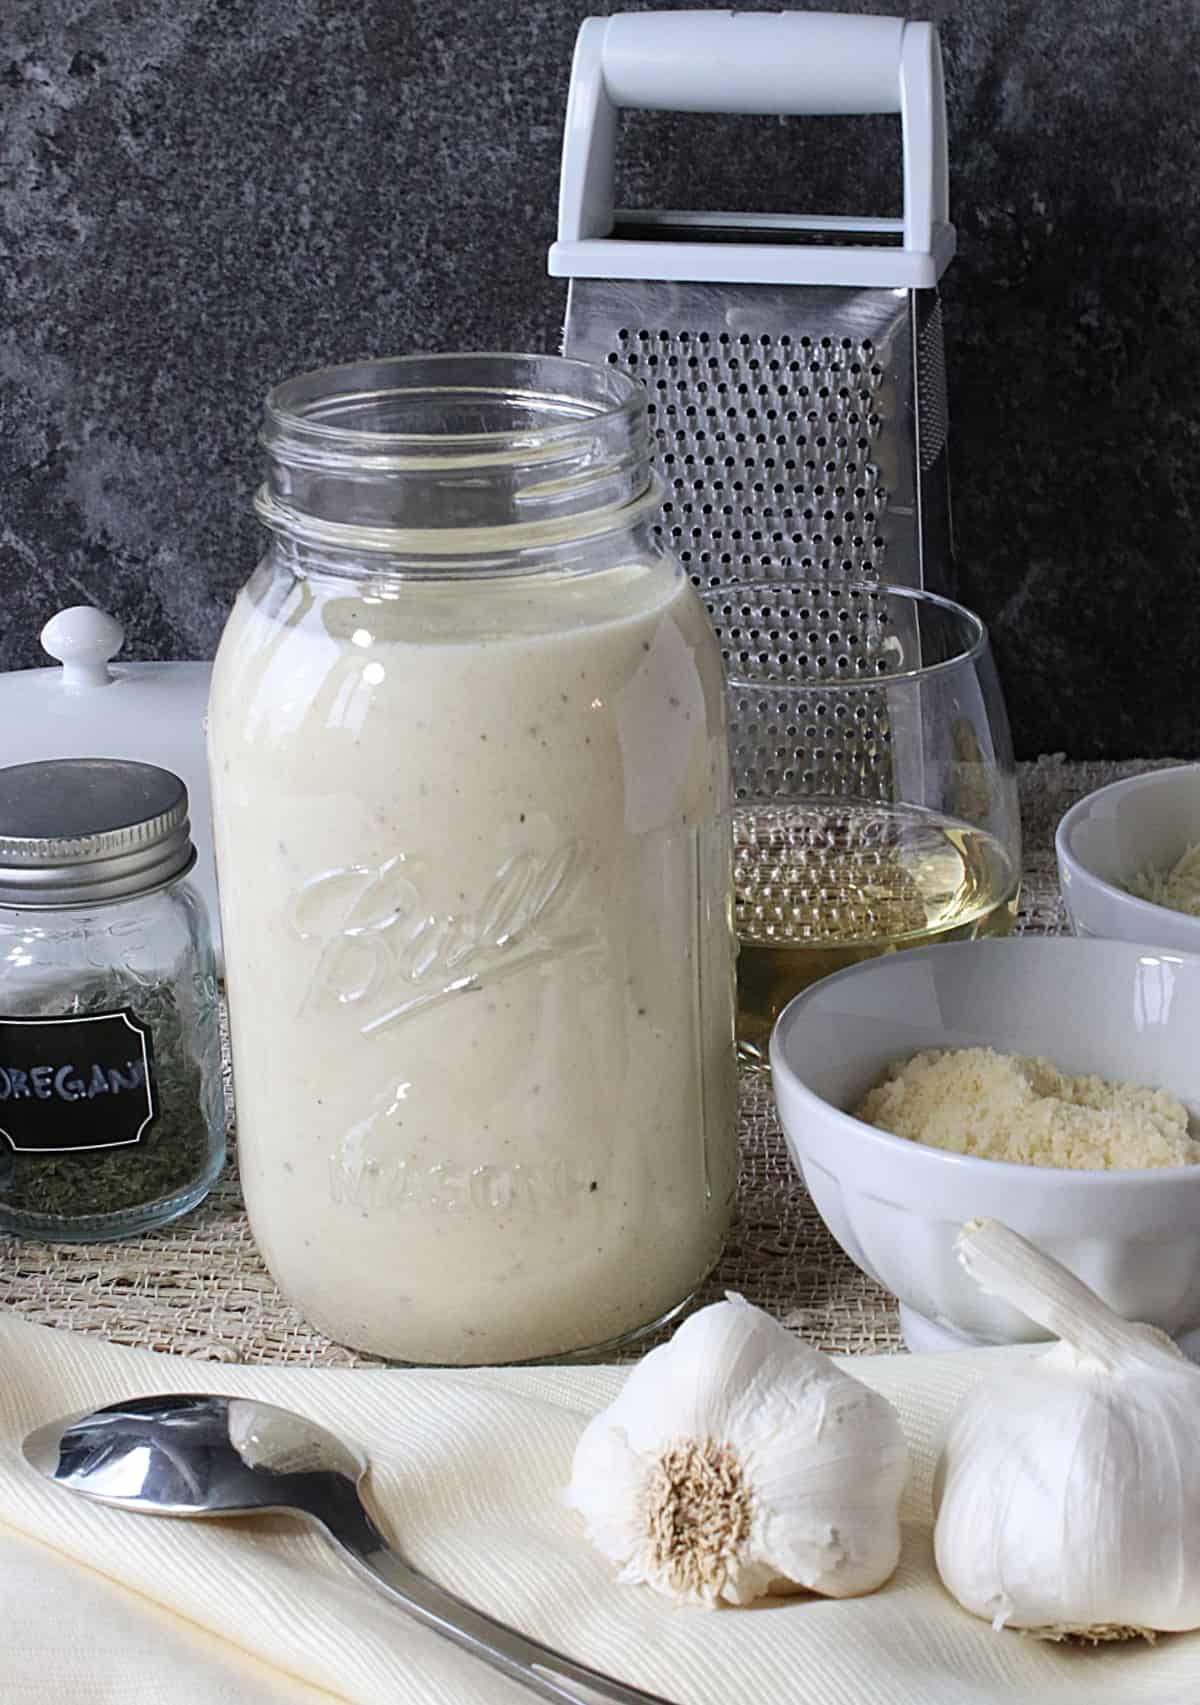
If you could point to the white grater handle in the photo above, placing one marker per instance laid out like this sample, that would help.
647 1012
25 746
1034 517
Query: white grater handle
754 62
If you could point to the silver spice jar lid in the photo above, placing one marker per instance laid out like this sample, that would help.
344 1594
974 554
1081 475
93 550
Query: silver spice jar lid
87 831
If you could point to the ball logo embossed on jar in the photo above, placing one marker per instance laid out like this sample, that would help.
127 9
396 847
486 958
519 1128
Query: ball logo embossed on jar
382 947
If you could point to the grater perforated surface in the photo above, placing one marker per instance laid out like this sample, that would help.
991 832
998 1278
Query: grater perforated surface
784 417
788 422
795 731
769 448
933 408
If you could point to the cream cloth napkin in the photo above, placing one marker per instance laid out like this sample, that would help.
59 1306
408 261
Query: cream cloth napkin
108 1608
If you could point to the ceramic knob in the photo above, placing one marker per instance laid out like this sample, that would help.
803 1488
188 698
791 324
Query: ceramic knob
83 640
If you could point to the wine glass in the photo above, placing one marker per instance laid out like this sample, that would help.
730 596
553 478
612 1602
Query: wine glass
874 785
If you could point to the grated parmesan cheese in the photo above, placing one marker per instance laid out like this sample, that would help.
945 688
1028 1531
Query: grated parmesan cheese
1178 888
994 1106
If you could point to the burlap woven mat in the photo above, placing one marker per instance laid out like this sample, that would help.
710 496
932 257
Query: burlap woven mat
199 1287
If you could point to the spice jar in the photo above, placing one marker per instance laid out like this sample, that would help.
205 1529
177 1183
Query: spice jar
471 802
111 1106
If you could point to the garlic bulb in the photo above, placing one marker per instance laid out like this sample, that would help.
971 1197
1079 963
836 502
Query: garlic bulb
738 1461
1068 1490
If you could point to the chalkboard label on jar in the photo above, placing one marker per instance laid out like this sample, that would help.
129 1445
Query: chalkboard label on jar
73 1084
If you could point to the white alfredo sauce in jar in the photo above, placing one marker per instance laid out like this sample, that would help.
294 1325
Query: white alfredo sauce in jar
470 790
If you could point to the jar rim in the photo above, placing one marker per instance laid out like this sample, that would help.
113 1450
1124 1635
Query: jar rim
297 407
422 458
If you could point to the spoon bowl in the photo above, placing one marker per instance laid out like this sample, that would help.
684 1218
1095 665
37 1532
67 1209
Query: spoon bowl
192 1456
202 1455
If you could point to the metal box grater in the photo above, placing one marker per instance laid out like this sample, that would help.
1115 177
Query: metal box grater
794 364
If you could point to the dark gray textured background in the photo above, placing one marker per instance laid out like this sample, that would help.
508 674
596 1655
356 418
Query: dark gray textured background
199 197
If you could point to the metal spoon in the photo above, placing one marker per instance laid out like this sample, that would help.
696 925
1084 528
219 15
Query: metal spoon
230 1456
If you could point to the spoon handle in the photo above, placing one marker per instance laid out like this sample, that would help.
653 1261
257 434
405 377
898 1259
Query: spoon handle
550 1674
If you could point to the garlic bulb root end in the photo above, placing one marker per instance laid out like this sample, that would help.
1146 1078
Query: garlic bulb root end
1100 1634
736 1461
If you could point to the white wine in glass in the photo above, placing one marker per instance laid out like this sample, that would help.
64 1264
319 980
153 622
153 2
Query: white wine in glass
875 789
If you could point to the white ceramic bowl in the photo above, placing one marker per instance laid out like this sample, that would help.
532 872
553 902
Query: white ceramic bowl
1147 822
895 1206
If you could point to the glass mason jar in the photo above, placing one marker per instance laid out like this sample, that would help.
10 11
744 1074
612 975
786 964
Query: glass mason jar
472 808
112 1114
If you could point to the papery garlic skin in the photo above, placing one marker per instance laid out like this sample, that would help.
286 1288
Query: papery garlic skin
1067 1495
737 1461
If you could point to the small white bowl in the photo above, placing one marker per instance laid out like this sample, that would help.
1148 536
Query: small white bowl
1145 823
1124 1011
